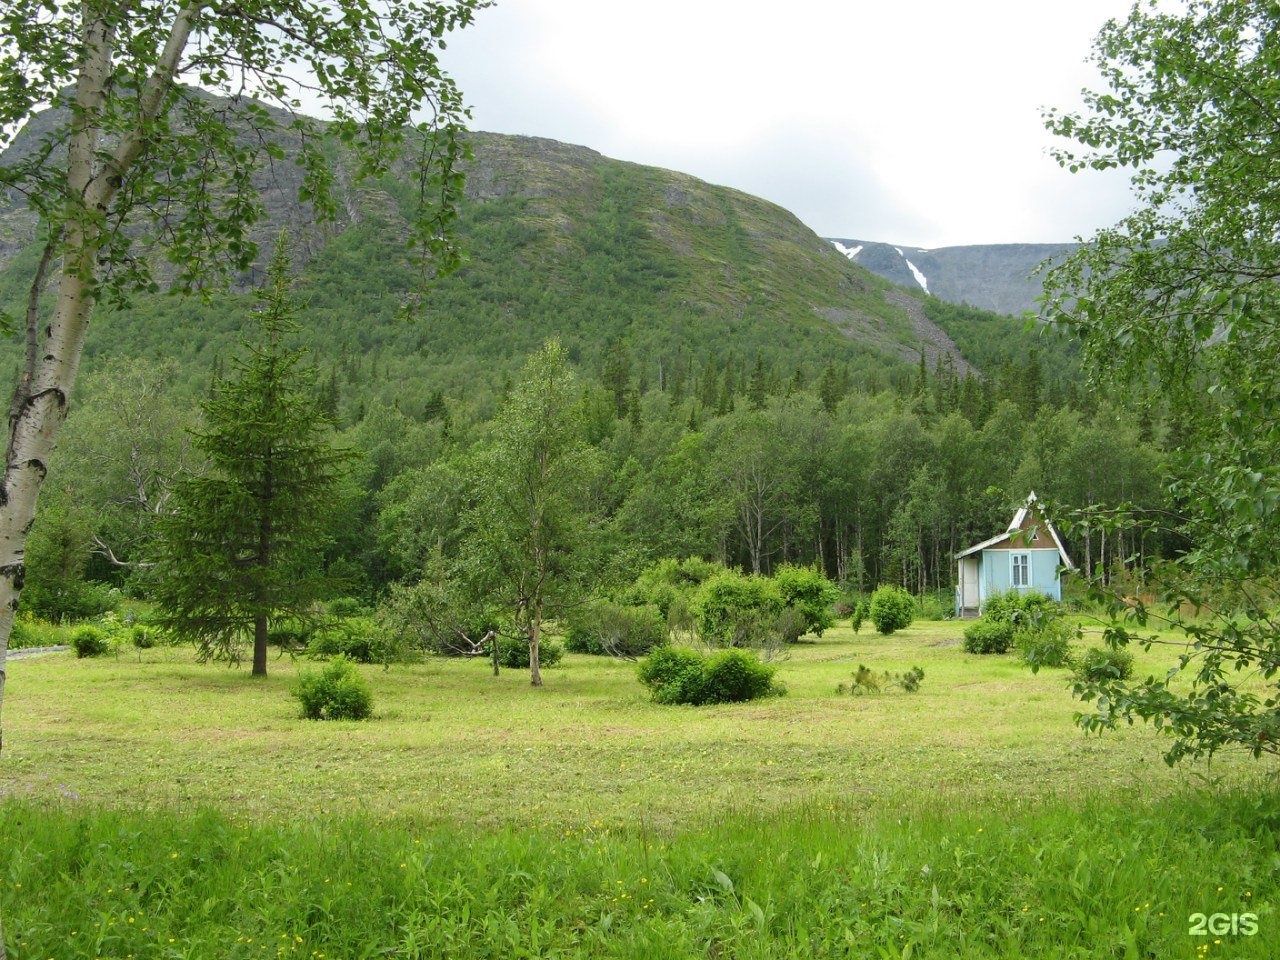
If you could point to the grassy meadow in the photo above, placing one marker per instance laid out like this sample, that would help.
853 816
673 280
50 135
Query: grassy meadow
478 816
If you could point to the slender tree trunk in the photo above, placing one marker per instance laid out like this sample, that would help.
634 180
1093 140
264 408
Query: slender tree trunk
535 639
260 645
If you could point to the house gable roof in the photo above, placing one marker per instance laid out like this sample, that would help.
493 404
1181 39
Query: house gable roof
1020 523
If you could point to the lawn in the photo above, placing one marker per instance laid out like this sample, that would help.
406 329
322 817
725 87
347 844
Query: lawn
478 816
450 743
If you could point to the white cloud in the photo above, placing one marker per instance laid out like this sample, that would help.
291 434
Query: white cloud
916 123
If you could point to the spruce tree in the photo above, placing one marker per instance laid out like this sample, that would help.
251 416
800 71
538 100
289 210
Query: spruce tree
242 545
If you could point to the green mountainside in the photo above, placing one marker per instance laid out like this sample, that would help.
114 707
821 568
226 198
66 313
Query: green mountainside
562 241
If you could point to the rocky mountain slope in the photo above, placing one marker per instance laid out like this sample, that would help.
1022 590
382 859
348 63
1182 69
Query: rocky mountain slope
997 277
563 241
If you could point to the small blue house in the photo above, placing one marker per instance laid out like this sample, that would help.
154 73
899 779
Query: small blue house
1028 556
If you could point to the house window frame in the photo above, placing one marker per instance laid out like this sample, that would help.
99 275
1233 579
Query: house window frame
1025 566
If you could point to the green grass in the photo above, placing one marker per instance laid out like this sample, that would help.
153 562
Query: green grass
971 819
449 742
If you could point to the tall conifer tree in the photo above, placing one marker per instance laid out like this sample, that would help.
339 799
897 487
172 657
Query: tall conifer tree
242 545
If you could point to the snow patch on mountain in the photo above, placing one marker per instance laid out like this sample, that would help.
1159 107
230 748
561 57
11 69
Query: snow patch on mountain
850 252
920 277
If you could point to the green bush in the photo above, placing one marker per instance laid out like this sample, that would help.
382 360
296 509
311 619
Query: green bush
858 615
791 625
336 692
734 676
681 675
142 636
891 608
988 636
673 674
867 681
808 591
515 653
610 629
728 599
1020 609
90 641
1048 646
667 581
361 639
931 606
66 600
1102 663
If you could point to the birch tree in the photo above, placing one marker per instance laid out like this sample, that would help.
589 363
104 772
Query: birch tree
135 176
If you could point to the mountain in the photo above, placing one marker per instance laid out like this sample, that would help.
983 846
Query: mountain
562 241
996 277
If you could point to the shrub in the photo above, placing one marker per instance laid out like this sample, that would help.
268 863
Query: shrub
729 598
733 676
1020 609
932 607
515 653
1049 646
891 608
988 636
348 607
337 692
667 581
866 681
142 636
791 625
1102 663
89 641
807 591
362 639
609 629
63 600
859 614
673 674
681 675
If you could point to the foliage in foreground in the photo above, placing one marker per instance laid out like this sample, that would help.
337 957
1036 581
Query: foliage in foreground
1107 880
1178 301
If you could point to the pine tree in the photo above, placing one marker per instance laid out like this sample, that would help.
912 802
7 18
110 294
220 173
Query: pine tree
241 547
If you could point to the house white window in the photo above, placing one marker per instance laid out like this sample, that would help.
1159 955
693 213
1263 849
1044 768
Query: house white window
1021 569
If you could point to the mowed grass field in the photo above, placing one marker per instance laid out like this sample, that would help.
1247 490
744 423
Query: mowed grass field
451 743
478 816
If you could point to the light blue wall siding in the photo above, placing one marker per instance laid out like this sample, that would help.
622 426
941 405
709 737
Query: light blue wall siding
996 573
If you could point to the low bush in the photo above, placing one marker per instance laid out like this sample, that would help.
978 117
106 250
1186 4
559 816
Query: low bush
1049 646
336 692
143 636
858 615
90 641
988 636
1021 609
931 606
361 638
681 675
673 674
891 608
808 592
729 598
26 634
514 654
867 681
733 676
1102 663
68 600
609 629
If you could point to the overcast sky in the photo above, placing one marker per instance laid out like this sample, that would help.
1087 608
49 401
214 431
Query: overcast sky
916 123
